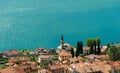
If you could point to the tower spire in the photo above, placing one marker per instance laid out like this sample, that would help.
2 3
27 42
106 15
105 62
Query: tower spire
62 42
62 37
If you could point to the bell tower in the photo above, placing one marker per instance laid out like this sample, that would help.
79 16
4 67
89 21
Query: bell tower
62 42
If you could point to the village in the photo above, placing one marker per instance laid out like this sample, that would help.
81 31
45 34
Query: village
62 60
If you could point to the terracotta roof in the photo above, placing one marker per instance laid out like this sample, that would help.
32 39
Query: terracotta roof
44 56
55 67
104 56
76 59
25 67
12 70
65 54
117 67
33 63
13 60
86 48
89 68
29 63
11 53
92 56
38 49
65 66
34 68
116 64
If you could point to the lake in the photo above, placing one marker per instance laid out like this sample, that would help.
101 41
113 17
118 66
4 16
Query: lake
31 24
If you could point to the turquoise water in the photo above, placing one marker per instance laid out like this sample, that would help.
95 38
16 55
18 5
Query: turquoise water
29 24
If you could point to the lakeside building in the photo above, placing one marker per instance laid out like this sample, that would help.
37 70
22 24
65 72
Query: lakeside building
11 53
32 53
44 59
41 51
63 56
30 67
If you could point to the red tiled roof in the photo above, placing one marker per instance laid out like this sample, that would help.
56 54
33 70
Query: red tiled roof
11 53
65 54
33 63
34 68
13 60
116 64
65 66
55 67
86 48
12 70
76 59
118 67
89 68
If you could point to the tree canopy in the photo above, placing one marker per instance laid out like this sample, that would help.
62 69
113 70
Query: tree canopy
89 42
94 45
114 53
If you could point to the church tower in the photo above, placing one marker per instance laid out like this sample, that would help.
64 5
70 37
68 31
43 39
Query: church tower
62 42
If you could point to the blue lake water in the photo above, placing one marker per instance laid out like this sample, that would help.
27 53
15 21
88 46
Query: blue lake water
29 24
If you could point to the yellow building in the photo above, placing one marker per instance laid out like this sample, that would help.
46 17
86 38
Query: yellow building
64 56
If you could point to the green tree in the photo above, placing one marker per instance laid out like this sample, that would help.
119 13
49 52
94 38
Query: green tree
72 52
114 53
3 66
81 47
94 44
107 51
108 45
78 49
89 43
98 42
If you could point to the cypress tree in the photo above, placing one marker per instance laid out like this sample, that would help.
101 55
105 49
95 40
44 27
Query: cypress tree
91 49
81 47
98 46
94 44
72 52
78 49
